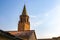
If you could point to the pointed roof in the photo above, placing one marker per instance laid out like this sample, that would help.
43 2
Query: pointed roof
23 34
24 11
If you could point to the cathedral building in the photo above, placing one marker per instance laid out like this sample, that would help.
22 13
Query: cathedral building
24 31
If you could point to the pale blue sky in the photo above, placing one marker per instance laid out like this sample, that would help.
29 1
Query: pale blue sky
44 16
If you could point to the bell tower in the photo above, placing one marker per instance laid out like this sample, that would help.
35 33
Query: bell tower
24 23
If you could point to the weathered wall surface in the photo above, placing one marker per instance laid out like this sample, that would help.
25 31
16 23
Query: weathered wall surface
32 37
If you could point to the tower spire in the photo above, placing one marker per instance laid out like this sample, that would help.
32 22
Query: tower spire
24 23
24 11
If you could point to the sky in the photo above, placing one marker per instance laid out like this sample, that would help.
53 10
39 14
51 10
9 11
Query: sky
44 16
